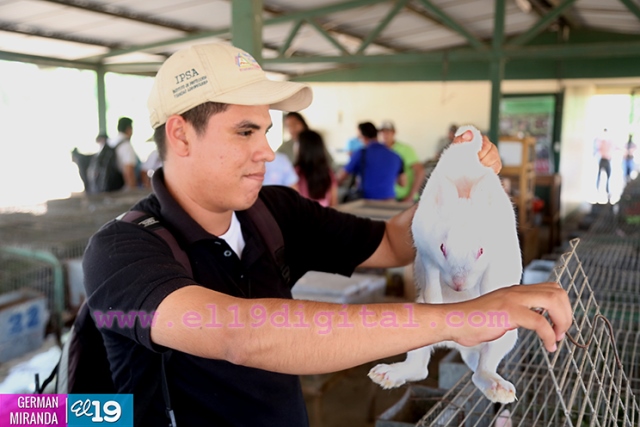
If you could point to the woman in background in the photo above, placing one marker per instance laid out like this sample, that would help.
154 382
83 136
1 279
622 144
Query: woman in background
295 123
316 179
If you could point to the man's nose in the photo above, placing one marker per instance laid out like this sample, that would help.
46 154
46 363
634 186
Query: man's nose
265 152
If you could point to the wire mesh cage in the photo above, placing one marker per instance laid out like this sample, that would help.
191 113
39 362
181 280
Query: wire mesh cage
614 285
64 230
37 249
574 386
20 270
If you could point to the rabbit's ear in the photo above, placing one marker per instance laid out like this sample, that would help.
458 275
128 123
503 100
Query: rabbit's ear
504 419
446 194
482 192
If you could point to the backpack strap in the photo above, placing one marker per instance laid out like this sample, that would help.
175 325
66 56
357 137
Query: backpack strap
267 227
147 221
270 231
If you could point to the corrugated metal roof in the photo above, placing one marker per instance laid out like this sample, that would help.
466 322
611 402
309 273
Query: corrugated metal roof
86 29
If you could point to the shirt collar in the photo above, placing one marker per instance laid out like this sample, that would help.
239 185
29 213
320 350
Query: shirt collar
174 215
187 230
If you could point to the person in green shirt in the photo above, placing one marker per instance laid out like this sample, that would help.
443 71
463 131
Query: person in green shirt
413 168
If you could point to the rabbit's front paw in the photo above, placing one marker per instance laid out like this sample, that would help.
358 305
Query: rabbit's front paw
494 387
392 376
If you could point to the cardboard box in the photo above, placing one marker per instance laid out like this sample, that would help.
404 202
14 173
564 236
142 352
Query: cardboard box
23 319
326 287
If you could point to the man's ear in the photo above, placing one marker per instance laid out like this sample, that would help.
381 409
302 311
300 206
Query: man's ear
176 135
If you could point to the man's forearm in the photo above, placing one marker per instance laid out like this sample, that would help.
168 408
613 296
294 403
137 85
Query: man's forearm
295 336
304 337
396 248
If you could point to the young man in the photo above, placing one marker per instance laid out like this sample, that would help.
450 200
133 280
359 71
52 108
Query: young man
413 169
236 338
126 156
377 167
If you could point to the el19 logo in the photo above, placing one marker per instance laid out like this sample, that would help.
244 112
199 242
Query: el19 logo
102 409
91 408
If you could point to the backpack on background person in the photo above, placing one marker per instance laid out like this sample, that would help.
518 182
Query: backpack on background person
103 174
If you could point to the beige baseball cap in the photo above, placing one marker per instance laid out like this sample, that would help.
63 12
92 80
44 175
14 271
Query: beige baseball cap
218 73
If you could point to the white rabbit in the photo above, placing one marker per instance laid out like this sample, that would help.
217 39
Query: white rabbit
464 230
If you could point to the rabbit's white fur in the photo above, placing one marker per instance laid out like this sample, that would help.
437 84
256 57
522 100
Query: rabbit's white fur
464 230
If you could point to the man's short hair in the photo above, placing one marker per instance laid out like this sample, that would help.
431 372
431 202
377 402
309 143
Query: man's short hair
198 117
368 130
124 123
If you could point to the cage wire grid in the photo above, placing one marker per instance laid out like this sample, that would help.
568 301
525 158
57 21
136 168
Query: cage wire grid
572 387
35 248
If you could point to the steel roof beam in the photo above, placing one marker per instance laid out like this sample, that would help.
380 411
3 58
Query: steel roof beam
119 12
566 51
542 7
337 30
632 6
292 35
321 11
496 69
155 45
541 24
29 30
328 37
43 60
422 14
382 25
452 24
246 27
292 16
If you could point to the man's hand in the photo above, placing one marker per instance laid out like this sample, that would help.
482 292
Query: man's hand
510 308
488 154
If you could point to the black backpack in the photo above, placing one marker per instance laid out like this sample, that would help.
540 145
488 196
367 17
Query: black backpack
83 366
103 174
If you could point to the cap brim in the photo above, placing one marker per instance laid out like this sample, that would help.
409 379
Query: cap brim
285 96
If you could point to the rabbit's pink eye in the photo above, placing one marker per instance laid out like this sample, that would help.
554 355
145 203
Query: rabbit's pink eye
444 250
480 252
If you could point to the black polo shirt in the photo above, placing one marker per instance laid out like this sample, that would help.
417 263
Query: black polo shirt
129 268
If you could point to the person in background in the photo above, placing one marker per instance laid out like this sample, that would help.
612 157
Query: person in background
280 171
353 145
295 123
149 166
413 168
377 166
604 147
316 179
127 158
83 160
629 163
445 141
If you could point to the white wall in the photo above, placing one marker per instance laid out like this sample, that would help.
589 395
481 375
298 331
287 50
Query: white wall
575 153
423 111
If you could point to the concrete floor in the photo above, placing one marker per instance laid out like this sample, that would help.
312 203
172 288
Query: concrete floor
355 401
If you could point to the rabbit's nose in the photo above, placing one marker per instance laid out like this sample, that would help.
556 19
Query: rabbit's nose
459 282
